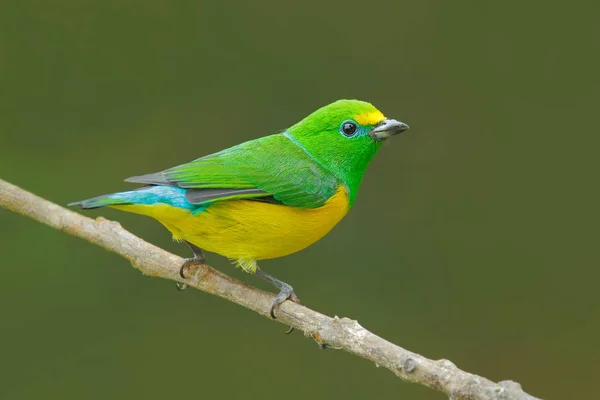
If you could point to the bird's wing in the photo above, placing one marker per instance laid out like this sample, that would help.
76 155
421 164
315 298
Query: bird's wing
272 168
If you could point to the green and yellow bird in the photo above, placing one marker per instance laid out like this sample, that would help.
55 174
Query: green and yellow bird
267 197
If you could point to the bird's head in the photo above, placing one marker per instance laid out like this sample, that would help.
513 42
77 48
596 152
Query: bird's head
344 136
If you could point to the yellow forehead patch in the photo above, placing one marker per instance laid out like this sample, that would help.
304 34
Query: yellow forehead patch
369 118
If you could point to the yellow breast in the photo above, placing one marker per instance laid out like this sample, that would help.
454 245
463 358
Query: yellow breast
246 230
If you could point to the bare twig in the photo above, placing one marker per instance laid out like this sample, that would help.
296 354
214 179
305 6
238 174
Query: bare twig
342 333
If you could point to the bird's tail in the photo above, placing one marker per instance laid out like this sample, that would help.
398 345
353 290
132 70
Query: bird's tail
147 195
122 198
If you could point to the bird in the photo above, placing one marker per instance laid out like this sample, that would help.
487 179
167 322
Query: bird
264 198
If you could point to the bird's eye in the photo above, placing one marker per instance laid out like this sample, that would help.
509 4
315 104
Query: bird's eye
349 128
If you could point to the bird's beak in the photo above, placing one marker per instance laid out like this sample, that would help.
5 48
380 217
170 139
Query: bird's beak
387 128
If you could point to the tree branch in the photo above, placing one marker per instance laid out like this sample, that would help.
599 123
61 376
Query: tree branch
341 333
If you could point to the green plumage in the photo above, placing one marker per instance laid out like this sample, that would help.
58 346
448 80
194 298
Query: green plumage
301 167
273 164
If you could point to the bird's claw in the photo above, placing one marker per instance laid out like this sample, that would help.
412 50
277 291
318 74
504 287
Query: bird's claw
285 293
181 286
189 262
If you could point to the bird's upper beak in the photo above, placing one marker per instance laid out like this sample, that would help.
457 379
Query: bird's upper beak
387 128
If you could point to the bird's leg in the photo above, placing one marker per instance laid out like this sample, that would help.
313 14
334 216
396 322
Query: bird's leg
285 292
198 259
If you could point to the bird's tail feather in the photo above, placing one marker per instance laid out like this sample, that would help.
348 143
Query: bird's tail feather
103 201
147 195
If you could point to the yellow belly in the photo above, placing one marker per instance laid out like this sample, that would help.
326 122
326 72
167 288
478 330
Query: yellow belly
245 230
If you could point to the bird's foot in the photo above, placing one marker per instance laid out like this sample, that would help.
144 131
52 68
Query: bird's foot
187 264
195 261
286 292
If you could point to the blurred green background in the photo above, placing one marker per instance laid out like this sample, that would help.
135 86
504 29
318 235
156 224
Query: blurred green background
474 236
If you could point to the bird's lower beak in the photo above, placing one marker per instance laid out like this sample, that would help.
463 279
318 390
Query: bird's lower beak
387 128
